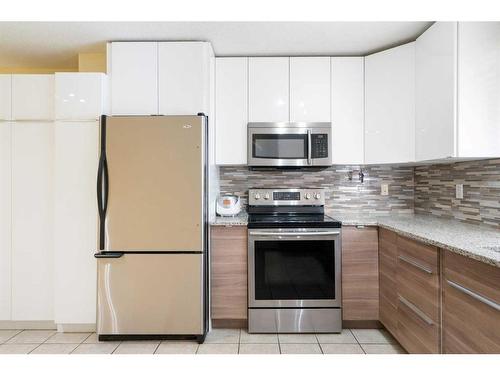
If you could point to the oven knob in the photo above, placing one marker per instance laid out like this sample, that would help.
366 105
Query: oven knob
317 195
267 196
308 196
257 196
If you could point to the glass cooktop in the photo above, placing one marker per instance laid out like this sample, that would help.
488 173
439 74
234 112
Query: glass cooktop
292 221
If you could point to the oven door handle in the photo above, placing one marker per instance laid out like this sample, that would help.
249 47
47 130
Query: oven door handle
294 234
309 148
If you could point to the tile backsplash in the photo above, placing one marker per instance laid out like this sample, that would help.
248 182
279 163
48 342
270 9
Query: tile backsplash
342 195
435 191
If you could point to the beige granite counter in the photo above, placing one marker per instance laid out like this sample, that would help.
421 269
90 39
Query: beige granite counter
476 242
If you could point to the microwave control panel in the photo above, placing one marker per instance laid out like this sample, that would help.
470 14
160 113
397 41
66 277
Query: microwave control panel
319 146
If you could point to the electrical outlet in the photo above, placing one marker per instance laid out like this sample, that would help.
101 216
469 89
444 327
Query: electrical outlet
459 191
384 189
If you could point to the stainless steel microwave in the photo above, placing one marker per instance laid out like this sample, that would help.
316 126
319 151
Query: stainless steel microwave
289 144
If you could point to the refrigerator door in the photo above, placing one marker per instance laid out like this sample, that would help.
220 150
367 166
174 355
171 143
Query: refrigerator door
144 294
155 169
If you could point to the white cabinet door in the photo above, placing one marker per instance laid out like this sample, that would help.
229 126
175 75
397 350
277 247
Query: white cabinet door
435 92
390 105
32 221
134 78
348 110
479 89
183 78
5 97
231 118
268 89
310 89
75 222
5 220
33 96
79 96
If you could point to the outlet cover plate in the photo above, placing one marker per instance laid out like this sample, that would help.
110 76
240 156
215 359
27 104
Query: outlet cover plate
459 191
384 189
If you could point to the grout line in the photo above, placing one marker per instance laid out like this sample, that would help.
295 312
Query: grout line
43 342
117 346
355 338
157 346
90 334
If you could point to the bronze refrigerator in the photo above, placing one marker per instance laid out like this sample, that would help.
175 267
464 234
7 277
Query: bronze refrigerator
152 199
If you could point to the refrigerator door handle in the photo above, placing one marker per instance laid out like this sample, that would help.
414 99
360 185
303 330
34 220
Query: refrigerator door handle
108 255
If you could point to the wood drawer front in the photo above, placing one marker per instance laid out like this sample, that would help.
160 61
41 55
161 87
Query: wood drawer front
360 283
416 333
387 279
418 276
229 272
470 324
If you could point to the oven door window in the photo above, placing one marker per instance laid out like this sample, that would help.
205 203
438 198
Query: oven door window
279 146
294 270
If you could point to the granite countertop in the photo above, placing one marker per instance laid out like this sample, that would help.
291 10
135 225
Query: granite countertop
476 242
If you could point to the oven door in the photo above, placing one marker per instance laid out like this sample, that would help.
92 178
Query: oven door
294 268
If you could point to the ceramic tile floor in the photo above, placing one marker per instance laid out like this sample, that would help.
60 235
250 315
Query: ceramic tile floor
218 341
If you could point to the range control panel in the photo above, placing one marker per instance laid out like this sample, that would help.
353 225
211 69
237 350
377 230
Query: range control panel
286 197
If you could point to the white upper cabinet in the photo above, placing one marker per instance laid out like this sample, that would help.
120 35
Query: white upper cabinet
5 97
390 105
80 96
310 89
5 220
435 92
347 110
479 89
268 89
183 78
231 118
32 221
75 221
133 68
33 97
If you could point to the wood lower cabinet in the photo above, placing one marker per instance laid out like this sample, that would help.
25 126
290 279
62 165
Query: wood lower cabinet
418 309
471 305
360 291
228 274
387 279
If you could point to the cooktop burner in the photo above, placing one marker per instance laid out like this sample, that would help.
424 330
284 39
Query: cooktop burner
292 221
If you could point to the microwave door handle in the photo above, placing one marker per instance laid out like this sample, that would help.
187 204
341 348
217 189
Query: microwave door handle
309 145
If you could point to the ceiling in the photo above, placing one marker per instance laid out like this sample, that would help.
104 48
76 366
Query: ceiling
56 44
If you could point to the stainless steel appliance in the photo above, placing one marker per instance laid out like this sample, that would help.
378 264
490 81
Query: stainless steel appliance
289 144
152 200
294 262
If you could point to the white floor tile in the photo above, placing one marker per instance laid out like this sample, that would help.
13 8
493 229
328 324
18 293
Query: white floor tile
297 338
300 349
372 336
218 349
6 334
382 349
104 348
258 338
136 348
177 347
17 348
31 337
259 349
223 336
67 338
345 337
54 349
341 349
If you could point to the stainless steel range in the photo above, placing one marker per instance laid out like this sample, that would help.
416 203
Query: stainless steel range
294 262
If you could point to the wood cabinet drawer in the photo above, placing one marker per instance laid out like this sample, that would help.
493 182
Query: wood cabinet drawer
416 332
387 279
418 276
228 272
471 306
360 292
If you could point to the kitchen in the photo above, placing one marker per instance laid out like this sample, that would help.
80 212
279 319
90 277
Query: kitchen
301 203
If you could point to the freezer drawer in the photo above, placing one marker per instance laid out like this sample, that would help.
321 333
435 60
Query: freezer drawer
150 294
